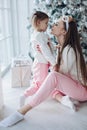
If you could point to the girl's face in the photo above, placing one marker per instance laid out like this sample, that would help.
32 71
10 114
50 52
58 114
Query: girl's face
58 28
43 24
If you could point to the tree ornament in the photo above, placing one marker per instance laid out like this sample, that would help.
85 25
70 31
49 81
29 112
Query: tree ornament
65 2
36 2
49 2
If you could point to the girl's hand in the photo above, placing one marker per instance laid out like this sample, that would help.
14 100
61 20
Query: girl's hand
38 48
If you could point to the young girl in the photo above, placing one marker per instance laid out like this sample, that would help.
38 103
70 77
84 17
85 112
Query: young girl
69 77
42 57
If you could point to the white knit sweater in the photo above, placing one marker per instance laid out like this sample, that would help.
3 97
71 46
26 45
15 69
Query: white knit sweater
68 63
46 55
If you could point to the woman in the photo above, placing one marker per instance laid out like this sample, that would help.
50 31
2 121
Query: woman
69 76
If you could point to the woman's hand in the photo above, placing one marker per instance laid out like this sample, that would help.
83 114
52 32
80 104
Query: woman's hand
56 67
58 46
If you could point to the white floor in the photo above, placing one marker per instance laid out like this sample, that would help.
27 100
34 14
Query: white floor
50 115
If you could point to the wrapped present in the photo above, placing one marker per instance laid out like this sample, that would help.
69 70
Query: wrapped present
21 75
21 71
21 61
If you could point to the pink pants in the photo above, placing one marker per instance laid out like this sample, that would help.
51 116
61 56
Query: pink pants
63 84
40 71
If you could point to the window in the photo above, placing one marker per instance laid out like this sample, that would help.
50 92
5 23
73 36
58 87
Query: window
5 34
14 36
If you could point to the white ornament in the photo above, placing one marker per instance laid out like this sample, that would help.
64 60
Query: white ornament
49 2
36 2
65 2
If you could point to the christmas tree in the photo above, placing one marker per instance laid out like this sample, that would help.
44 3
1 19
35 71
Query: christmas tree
76 8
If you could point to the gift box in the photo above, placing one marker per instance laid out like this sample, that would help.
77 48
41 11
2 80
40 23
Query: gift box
21 71
21 76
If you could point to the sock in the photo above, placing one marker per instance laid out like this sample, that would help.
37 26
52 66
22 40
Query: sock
22 100
77 103
68 102
12 119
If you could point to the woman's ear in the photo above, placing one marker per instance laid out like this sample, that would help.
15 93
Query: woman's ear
64 32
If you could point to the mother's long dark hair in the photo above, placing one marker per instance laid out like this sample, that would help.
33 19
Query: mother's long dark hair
72 39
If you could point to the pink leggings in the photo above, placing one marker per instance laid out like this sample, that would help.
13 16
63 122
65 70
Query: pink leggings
40 71
63 84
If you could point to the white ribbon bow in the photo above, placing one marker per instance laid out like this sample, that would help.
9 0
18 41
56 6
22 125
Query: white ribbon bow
66 20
